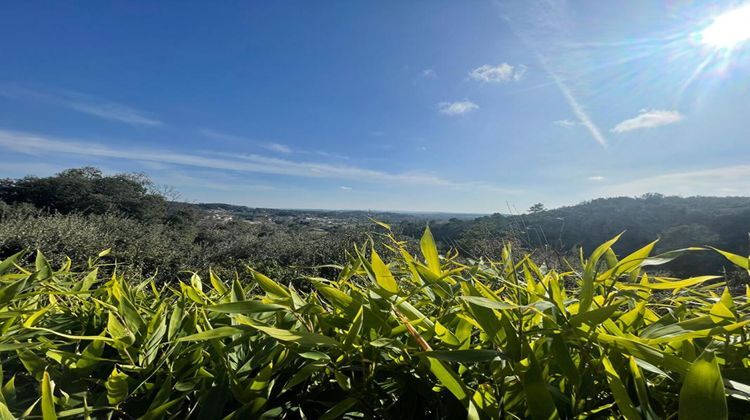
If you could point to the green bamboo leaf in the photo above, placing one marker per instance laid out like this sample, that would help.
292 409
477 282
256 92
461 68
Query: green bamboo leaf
5 413
270 287
652 355
338 410
445 335
34 364
303 338
89 280
48 401
90 357
450 380
488 303
118 331
74 337
702 395
245 307
594 317
196 282
620 392
561 357
737 260
335 296
16 346
160 411
8 263
383 274
175 320
430 252
382 224
679 284
641 388
669 256
8 391
629 264
304 374
216 282
213 334
7 293
354 329
538 399
589 274
43 269
463 356
238 292
117 387
484 398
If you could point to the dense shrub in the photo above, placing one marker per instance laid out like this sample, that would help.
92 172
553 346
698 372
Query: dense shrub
87 190
160 247
722 222
418 337
138 247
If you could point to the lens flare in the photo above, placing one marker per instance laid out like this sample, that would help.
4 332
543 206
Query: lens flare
728 29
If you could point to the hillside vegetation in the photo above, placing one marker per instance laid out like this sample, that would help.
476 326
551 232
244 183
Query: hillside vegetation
80 211
722 222
144 307
414 336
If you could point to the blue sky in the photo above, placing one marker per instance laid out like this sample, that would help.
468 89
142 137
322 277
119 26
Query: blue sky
442 106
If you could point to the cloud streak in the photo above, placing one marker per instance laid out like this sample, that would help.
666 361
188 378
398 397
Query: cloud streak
274 147
566 123
727 180
648 118
457 108
34 144
84 103
271 146
429 74
578 109
501 73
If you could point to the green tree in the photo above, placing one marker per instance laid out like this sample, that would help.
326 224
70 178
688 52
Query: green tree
537 208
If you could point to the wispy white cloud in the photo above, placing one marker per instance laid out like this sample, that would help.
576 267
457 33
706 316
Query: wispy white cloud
114 112
345 188
501 73
278 147
429 74
578 109
727 180
457 108
84 103
648 118
274 147
271 146
44 145
325 154
597 178
540 25
566 123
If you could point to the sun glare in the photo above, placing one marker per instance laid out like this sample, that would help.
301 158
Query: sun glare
728 29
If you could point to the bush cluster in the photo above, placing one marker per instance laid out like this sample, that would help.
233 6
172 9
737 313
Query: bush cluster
406 337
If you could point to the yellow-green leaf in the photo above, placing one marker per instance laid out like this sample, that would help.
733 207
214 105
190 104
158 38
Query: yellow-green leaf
383 274
619 392
48 401
429 251
702 395
270 287
117 387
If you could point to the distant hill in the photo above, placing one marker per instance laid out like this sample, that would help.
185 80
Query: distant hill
722 222
349 216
